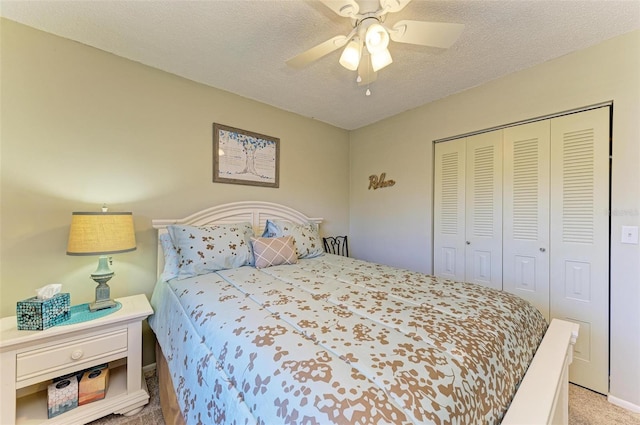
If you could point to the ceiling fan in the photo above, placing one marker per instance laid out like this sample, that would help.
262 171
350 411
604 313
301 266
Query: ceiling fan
370 32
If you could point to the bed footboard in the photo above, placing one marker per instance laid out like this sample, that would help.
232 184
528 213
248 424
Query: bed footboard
543 396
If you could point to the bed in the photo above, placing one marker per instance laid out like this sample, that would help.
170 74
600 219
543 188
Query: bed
271 330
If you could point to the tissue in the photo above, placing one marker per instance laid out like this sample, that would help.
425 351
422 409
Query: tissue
47 292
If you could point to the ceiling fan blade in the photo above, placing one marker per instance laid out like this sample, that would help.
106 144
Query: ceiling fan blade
435 34
346 8
366 73
315 53
393 5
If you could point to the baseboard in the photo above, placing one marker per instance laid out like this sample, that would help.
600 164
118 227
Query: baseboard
623 403
150 368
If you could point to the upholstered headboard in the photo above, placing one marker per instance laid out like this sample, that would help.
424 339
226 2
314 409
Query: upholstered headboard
255 212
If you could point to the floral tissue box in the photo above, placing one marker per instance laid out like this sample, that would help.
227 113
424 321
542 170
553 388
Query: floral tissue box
35 314
62 395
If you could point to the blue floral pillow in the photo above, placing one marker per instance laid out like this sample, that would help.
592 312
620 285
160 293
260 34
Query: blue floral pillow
306 237
171 258
208 249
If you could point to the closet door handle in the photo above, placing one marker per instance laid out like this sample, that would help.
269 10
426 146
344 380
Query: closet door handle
468 243
543 249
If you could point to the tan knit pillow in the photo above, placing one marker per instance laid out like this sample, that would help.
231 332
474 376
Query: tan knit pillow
269 252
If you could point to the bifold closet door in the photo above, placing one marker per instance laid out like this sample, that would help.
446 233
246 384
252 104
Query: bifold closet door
449 210
468 209
483 203
526 213
580 239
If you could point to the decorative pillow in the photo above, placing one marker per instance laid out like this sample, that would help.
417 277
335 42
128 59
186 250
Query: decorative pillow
306 237
208 249
269 252
270 230
171 258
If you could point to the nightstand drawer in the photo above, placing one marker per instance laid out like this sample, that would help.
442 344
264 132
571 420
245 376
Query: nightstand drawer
57 356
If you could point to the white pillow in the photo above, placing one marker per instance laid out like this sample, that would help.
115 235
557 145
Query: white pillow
208 249
306 237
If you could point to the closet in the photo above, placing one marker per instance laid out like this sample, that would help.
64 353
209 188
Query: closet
524 209
468 213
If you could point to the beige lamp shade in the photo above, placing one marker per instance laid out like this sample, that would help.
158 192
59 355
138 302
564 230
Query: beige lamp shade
101 233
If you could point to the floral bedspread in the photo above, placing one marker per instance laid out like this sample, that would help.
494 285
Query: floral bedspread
333 340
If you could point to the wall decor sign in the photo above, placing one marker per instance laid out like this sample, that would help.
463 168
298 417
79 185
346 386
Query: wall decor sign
244 157
376 182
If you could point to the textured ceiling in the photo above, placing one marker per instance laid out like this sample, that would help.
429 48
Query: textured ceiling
241 46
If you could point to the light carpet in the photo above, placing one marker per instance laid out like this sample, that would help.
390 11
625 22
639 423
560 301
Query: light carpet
589 408
585 408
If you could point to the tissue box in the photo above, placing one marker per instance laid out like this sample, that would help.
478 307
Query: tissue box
93 384
35 314
62 395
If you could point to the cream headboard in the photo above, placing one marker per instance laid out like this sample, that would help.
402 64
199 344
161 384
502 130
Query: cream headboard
255 212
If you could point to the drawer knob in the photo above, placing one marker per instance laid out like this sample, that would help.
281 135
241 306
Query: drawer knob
76 354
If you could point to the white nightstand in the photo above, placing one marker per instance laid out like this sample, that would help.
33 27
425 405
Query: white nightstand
30 359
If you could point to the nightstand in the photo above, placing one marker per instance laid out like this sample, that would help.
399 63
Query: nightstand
30 359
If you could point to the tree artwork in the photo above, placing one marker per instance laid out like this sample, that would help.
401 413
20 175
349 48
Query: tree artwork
243 157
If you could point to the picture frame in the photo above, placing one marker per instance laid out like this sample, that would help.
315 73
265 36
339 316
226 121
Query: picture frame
245 157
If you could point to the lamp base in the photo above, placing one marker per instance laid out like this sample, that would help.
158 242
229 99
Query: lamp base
101 305
103 292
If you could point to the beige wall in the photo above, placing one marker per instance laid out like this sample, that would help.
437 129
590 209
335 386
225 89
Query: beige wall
81 127
394 225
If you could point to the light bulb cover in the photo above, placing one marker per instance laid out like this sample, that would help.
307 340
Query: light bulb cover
351 54
380 59
376 38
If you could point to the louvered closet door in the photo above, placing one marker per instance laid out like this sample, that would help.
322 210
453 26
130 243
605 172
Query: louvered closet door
449 210
580 239
483 226
526 213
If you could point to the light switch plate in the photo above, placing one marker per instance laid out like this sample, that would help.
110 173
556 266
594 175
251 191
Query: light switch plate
630 234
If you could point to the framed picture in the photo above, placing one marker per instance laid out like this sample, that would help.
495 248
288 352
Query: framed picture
244 157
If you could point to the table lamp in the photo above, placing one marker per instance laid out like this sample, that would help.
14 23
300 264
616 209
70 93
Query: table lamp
102 234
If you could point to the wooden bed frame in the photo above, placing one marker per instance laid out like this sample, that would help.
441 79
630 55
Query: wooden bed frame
543 395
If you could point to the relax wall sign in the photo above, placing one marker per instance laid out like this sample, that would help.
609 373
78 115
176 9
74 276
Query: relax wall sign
376 182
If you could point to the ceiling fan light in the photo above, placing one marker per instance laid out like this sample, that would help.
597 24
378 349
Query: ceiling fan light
350 57
376 38
380 59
